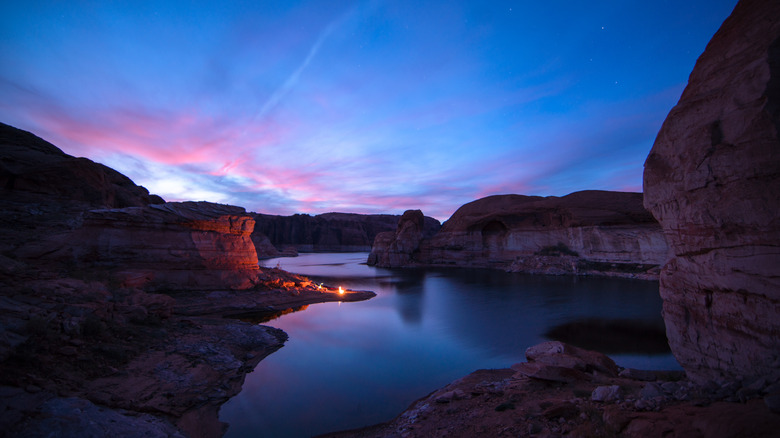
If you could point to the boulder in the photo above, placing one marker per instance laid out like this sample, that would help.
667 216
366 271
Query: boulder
551 373
562 354
712 179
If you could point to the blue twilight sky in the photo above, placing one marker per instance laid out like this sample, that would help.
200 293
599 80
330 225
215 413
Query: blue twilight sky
356 106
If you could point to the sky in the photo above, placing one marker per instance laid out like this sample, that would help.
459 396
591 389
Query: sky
372 106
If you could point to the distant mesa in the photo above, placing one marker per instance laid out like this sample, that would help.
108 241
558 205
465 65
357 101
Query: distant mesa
588 233
329 232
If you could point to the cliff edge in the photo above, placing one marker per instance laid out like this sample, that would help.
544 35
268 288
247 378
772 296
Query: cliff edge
712 179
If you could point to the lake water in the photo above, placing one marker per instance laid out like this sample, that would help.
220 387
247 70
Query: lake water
348 365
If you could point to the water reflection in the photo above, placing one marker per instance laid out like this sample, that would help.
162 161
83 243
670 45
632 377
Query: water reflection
362 363
614 336
267 315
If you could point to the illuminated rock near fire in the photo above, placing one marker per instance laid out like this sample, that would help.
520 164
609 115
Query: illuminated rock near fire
172 246
712 179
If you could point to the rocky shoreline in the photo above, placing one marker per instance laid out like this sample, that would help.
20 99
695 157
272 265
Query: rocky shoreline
139 364
567 391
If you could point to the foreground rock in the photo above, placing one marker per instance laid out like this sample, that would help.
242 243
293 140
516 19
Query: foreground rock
590 232
712 179
329 232
578 394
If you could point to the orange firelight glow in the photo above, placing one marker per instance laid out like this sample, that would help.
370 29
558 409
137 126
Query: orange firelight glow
341 291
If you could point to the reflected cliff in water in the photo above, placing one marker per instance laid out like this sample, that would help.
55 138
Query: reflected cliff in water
349 365
614 336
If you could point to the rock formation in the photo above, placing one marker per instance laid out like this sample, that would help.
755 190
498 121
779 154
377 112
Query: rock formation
396 248
590 232
712 179
329 232
114 305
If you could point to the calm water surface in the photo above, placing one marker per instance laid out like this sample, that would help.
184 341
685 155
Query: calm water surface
353 364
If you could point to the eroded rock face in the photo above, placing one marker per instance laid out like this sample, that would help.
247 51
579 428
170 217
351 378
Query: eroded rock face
585 232
712 179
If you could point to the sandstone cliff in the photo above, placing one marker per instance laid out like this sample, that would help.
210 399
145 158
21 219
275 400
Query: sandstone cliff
329 232
165 247
712 179
590 232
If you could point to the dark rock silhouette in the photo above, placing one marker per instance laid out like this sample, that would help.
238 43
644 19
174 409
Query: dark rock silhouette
31 166
712 179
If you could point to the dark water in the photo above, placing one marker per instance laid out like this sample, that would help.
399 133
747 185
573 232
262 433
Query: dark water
353 364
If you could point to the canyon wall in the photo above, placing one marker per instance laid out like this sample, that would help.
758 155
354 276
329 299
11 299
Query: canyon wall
589 232
329 232
712 179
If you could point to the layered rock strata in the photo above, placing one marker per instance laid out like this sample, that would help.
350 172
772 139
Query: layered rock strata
171 246
590 232
712 179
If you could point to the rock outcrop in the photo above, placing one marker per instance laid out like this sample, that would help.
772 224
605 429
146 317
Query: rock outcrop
590 232
329 232
396 248
712 179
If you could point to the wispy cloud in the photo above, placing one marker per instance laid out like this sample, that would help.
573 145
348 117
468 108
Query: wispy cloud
295 76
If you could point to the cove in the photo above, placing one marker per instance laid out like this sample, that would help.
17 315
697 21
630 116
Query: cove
348 365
